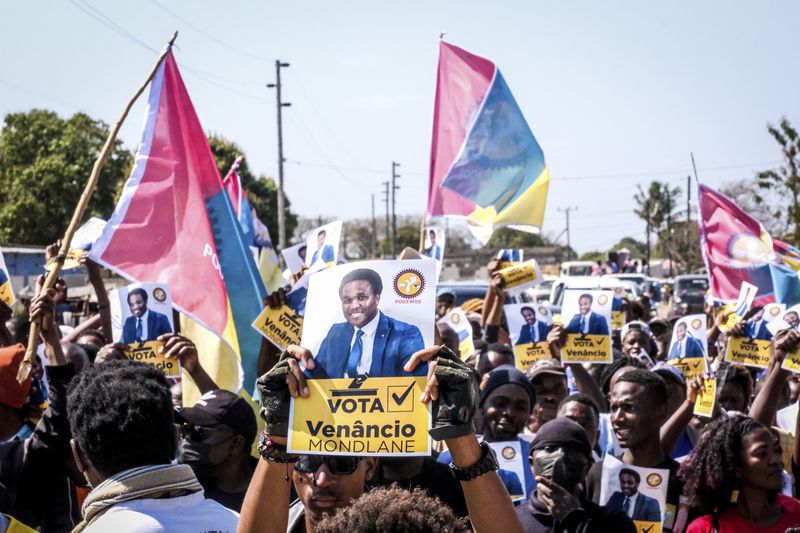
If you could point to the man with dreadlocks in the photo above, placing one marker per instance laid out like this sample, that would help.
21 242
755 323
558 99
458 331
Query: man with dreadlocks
734 475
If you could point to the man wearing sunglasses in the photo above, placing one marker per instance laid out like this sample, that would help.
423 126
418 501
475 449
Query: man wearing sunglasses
325 484
217 434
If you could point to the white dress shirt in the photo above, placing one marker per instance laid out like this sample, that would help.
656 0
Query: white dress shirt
367 341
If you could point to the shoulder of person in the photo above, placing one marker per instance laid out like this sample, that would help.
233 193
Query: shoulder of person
703 524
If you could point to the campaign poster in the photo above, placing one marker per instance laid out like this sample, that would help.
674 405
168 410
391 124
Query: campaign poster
363 322
512 465
788 319
81 242
704 406
689 338
510 256
617 312
140 313
322 245
587 317
6 290
738 309
433 245
639 492
457 320
295 256
528 326
521 276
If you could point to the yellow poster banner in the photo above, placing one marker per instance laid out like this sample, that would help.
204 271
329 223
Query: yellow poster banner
7 293
361 416
71 261
690 366
792 361
525 355
617 319
280 326
647 527
514 277
150 353
748 352
704 406
586 349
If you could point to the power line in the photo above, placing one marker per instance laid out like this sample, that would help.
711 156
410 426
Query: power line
211 36
664 172
96 14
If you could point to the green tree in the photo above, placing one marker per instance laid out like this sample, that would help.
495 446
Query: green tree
687 254
45 161
656 208
637 248
510 238
262 192
784 181
593 256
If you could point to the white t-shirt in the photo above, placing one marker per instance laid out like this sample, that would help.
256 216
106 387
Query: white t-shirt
185 514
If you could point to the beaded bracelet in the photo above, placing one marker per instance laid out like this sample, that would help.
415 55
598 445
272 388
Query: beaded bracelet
272 451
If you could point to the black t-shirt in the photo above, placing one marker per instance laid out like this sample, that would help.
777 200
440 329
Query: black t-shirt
231 500
535 518
436 479
674 486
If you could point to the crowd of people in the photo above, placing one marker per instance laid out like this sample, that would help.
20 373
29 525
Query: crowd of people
94 442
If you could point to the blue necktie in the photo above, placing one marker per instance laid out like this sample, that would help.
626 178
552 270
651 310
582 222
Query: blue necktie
533 333
355 355
583 324
139 329
626 505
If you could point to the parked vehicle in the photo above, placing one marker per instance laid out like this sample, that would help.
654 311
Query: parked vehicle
688 294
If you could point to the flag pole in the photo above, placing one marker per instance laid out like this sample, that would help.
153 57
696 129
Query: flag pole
80 209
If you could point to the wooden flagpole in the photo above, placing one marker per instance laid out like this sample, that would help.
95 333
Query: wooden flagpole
77 215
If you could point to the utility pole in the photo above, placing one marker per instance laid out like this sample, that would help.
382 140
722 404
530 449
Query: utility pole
395 187
373 242
281 197
688 220
567 212
388 226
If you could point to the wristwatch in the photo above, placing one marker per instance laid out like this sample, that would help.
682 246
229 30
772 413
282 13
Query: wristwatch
486 463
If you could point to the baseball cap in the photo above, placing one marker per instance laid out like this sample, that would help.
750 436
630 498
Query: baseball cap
221 407
545 366
635 325
668 371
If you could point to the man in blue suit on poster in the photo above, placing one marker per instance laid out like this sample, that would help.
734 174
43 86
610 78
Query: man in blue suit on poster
587 322
323 251
434 251
685 345
533 330
632 502
757 328
144 324
369 342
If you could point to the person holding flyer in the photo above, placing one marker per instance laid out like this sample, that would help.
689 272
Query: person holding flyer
368 342
560 458
327 484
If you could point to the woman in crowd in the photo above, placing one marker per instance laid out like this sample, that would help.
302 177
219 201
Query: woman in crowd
733 477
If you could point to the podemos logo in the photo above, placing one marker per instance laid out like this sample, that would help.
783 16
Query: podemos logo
159 294
409 283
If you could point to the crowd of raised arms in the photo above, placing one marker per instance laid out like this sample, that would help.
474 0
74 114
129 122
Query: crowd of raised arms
95 442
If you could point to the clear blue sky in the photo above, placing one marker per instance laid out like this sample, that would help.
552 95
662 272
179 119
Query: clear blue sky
618 93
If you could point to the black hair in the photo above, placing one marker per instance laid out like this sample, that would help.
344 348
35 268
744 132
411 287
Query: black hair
96 333
586 295
654 385
631 472
581 398
91 351
737 375
363 274
121 416
322 232
609 370
501 348
140 291
527 307
710 473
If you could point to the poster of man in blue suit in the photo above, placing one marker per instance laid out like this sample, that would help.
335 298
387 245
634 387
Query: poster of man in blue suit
587 320
532 330
372 340
140 322
322 245
630 501
689 338
433 249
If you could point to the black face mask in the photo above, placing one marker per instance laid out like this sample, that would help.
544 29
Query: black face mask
197 456
564 467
